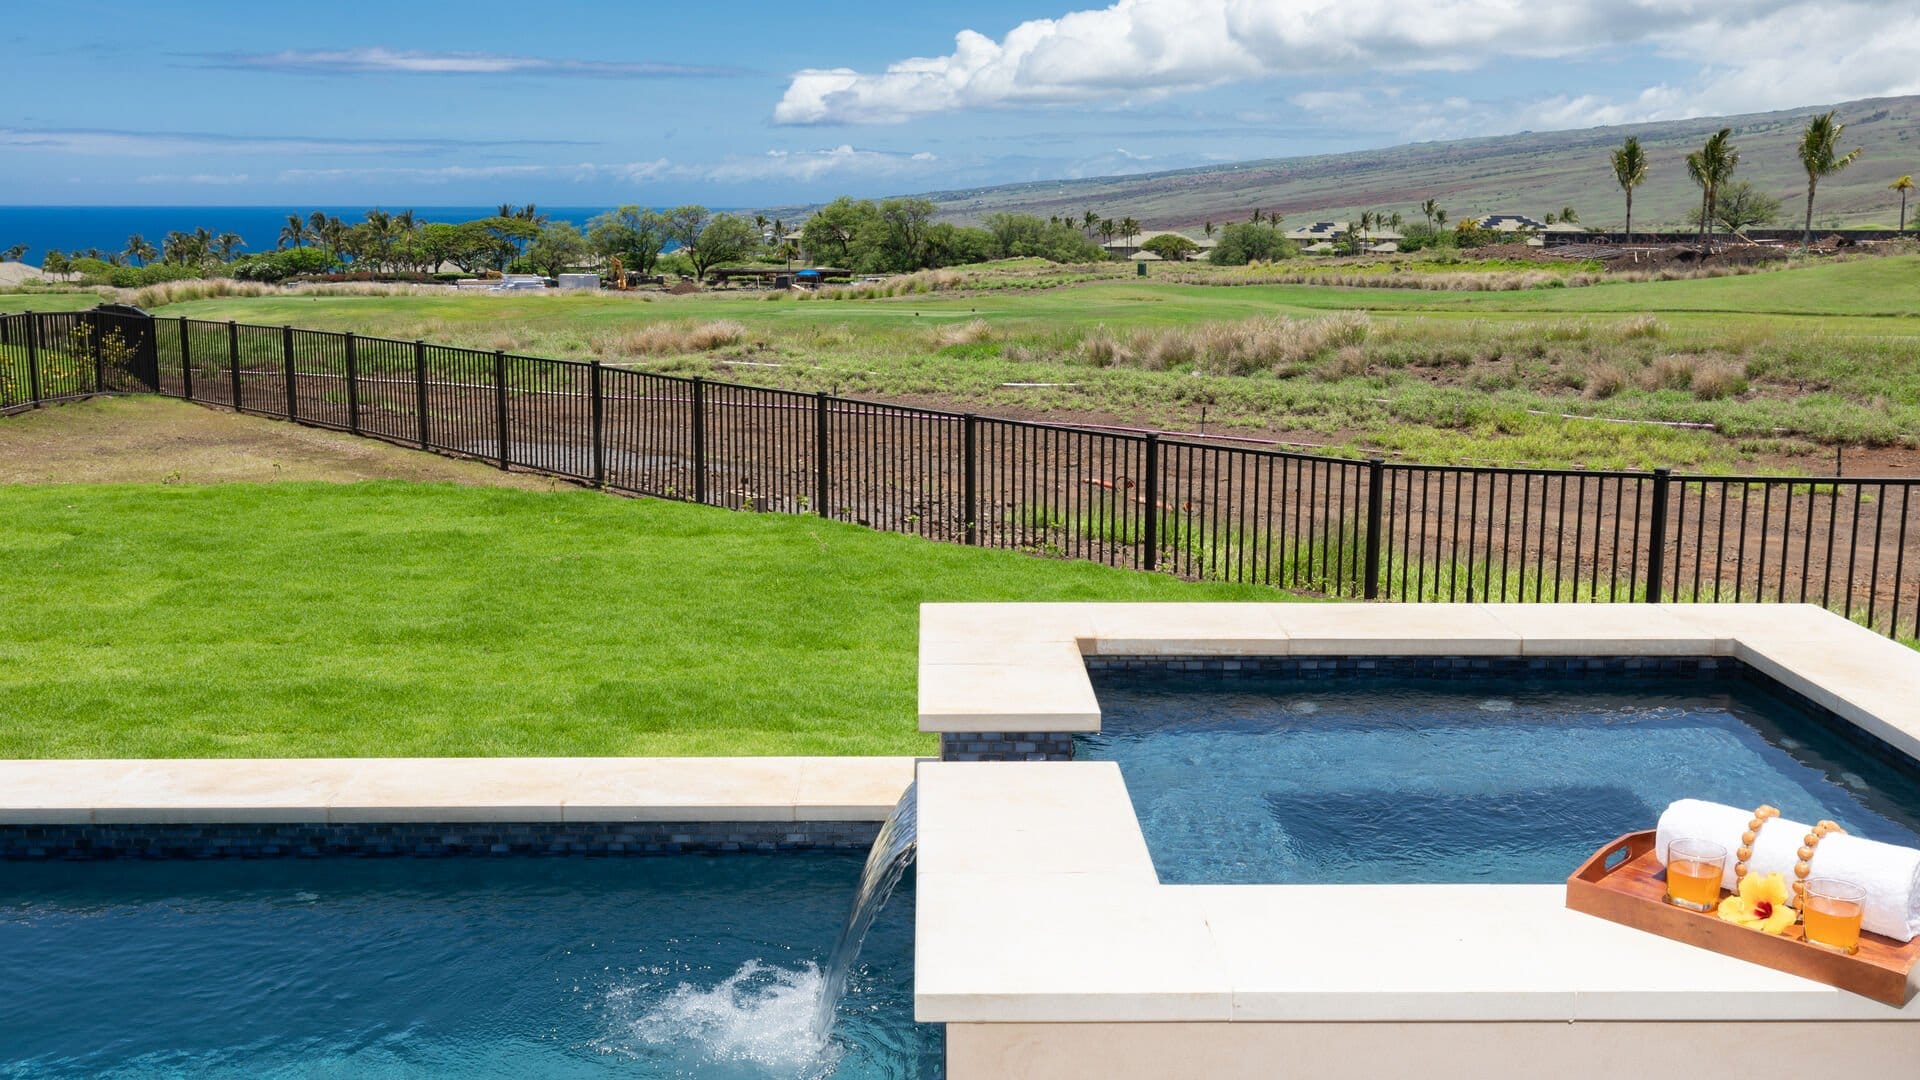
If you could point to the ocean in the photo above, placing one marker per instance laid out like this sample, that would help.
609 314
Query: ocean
71 228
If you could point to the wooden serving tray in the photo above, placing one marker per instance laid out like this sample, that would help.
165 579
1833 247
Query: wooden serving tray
1623 882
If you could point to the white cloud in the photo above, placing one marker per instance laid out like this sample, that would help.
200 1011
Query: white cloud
111 142
196 179
1733 55
800 166
376 60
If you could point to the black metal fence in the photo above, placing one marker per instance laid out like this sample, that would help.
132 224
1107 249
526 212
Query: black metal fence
1332 525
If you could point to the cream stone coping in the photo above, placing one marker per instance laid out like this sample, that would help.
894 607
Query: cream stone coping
394 790
1037 902
1020 667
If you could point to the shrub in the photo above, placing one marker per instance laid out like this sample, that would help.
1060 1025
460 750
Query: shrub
967 333
1716 379
1605 380
667 338
273 266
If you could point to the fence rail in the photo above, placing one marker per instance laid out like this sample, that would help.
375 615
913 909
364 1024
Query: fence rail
1339 526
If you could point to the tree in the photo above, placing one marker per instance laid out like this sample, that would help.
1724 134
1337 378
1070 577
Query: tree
1711 167
227 245
1431 210
1820 153
1108 230
293 233
1129 229
1739 206
896 240
1208 230
14 253
1569 216
1243 242
719 238
510 235
55 262
556 247
630 233
138 250
829 233
1629 171
1026 236
1172 247
1089 223
1439 219
1902 185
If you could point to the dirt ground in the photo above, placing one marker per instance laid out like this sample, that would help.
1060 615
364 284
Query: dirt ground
156 440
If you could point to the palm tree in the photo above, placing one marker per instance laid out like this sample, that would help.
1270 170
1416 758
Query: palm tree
139 250
293 233
1431 208
1820 153
1902 185
1568 216
1208 227
1823 158
1439 219
1090 222
1129 229
1711 167
1107 230
226 244
1629 171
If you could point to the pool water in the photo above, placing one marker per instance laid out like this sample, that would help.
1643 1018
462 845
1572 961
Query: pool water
1370 778
679 966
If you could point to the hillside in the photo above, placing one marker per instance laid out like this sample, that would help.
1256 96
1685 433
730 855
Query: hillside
1531 172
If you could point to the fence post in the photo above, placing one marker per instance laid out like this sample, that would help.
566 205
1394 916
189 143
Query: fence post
99 356
970 447
293 390
1376 474
1657 542
821 440
353 387
233 360
420 389
33 358
1150 532
699 439
500 400
599 426
186 360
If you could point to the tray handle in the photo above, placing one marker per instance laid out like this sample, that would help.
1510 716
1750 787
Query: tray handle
1615 855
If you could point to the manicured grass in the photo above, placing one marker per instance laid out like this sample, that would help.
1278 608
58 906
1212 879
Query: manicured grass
388 618
46 301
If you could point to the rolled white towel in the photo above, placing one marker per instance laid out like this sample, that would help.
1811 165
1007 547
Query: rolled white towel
1890 874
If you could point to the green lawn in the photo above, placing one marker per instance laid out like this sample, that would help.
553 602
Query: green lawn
394 619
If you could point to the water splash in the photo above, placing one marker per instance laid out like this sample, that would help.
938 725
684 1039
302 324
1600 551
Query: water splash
887 862
761 1015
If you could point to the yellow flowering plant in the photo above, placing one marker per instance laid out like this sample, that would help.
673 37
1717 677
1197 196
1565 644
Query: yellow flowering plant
1761 904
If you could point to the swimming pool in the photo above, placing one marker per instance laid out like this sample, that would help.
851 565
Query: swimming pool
541 968
1416 773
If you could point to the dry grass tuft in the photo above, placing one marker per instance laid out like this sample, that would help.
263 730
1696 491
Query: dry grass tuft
967 333
1716 379
1604 380
672 338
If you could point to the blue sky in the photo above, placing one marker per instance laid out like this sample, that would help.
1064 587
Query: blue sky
753 104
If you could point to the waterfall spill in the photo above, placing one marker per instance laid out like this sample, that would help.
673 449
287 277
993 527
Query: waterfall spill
886 863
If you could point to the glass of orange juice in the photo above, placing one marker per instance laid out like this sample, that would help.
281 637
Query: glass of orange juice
1694 869
1831 912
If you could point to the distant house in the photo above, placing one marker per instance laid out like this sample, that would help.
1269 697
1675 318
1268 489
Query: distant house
1321 236
1120 247
1509 223
1327 231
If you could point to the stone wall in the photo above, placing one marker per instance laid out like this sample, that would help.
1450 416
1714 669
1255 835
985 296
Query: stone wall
1006 746
425 839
